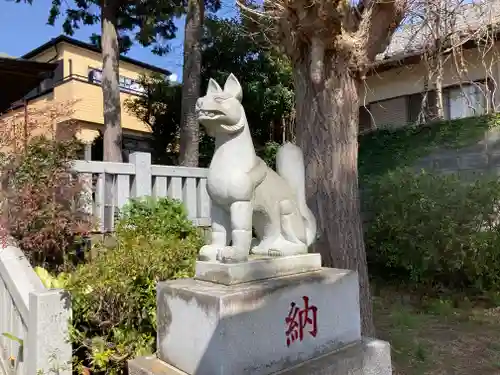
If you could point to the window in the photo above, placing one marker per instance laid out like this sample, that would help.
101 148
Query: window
465 101
126 84
389 113
471 99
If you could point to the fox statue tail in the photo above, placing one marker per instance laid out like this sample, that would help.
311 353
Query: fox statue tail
290 166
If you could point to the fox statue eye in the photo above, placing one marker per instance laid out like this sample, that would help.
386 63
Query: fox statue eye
218 99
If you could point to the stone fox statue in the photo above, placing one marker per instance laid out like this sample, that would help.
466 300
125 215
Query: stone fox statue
245 192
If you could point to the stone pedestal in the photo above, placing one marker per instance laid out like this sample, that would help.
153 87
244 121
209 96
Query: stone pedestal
258 268
233 325
368 357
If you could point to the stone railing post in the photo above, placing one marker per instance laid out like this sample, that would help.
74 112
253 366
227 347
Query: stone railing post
48 346
142 182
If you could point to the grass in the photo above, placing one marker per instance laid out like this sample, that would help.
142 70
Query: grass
431 337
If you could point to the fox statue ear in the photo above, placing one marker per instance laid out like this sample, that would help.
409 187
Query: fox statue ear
233 87
213 87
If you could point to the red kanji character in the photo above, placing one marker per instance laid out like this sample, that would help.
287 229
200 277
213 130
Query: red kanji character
298 319
306 320
292 333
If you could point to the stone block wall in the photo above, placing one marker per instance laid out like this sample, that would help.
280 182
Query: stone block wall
469 162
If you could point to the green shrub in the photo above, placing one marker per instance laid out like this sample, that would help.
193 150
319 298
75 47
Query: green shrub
154 218
434 230
114 296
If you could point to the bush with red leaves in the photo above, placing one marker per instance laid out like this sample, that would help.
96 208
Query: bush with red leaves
42 200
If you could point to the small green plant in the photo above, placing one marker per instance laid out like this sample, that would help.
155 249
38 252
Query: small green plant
13 359
13 338
494 298
50 281
442 307
114 295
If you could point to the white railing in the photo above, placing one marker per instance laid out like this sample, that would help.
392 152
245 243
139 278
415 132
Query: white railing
33 320
109 186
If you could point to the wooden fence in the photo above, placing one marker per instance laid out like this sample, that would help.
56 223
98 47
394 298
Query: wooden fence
109 186
33 320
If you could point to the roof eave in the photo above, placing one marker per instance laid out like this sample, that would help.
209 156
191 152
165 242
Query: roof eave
90 47
402 59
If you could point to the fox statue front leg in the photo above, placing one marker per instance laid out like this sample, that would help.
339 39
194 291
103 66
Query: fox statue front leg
221 228
241 234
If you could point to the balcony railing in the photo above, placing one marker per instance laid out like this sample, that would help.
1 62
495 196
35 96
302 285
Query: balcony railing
45 88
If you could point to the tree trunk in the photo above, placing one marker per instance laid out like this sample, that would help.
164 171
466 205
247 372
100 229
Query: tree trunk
434 11
327 130
439 85
191 75
110 83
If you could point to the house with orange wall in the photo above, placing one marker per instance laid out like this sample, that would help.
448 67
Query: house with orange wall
76 80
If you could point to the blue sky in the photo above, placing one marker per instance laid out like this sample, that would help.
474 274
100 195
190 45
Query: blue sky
23 27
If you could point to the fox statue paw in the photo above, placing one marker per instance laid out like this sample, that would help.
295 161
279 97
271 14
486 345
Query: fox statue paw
208 253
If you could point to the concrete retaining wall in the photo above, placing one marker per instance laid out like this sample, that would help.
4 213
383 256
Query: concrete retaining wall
469 162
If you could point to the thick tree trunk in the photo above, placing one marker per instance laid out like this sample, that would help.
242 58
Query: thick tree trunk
110 83
327 129
191 75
